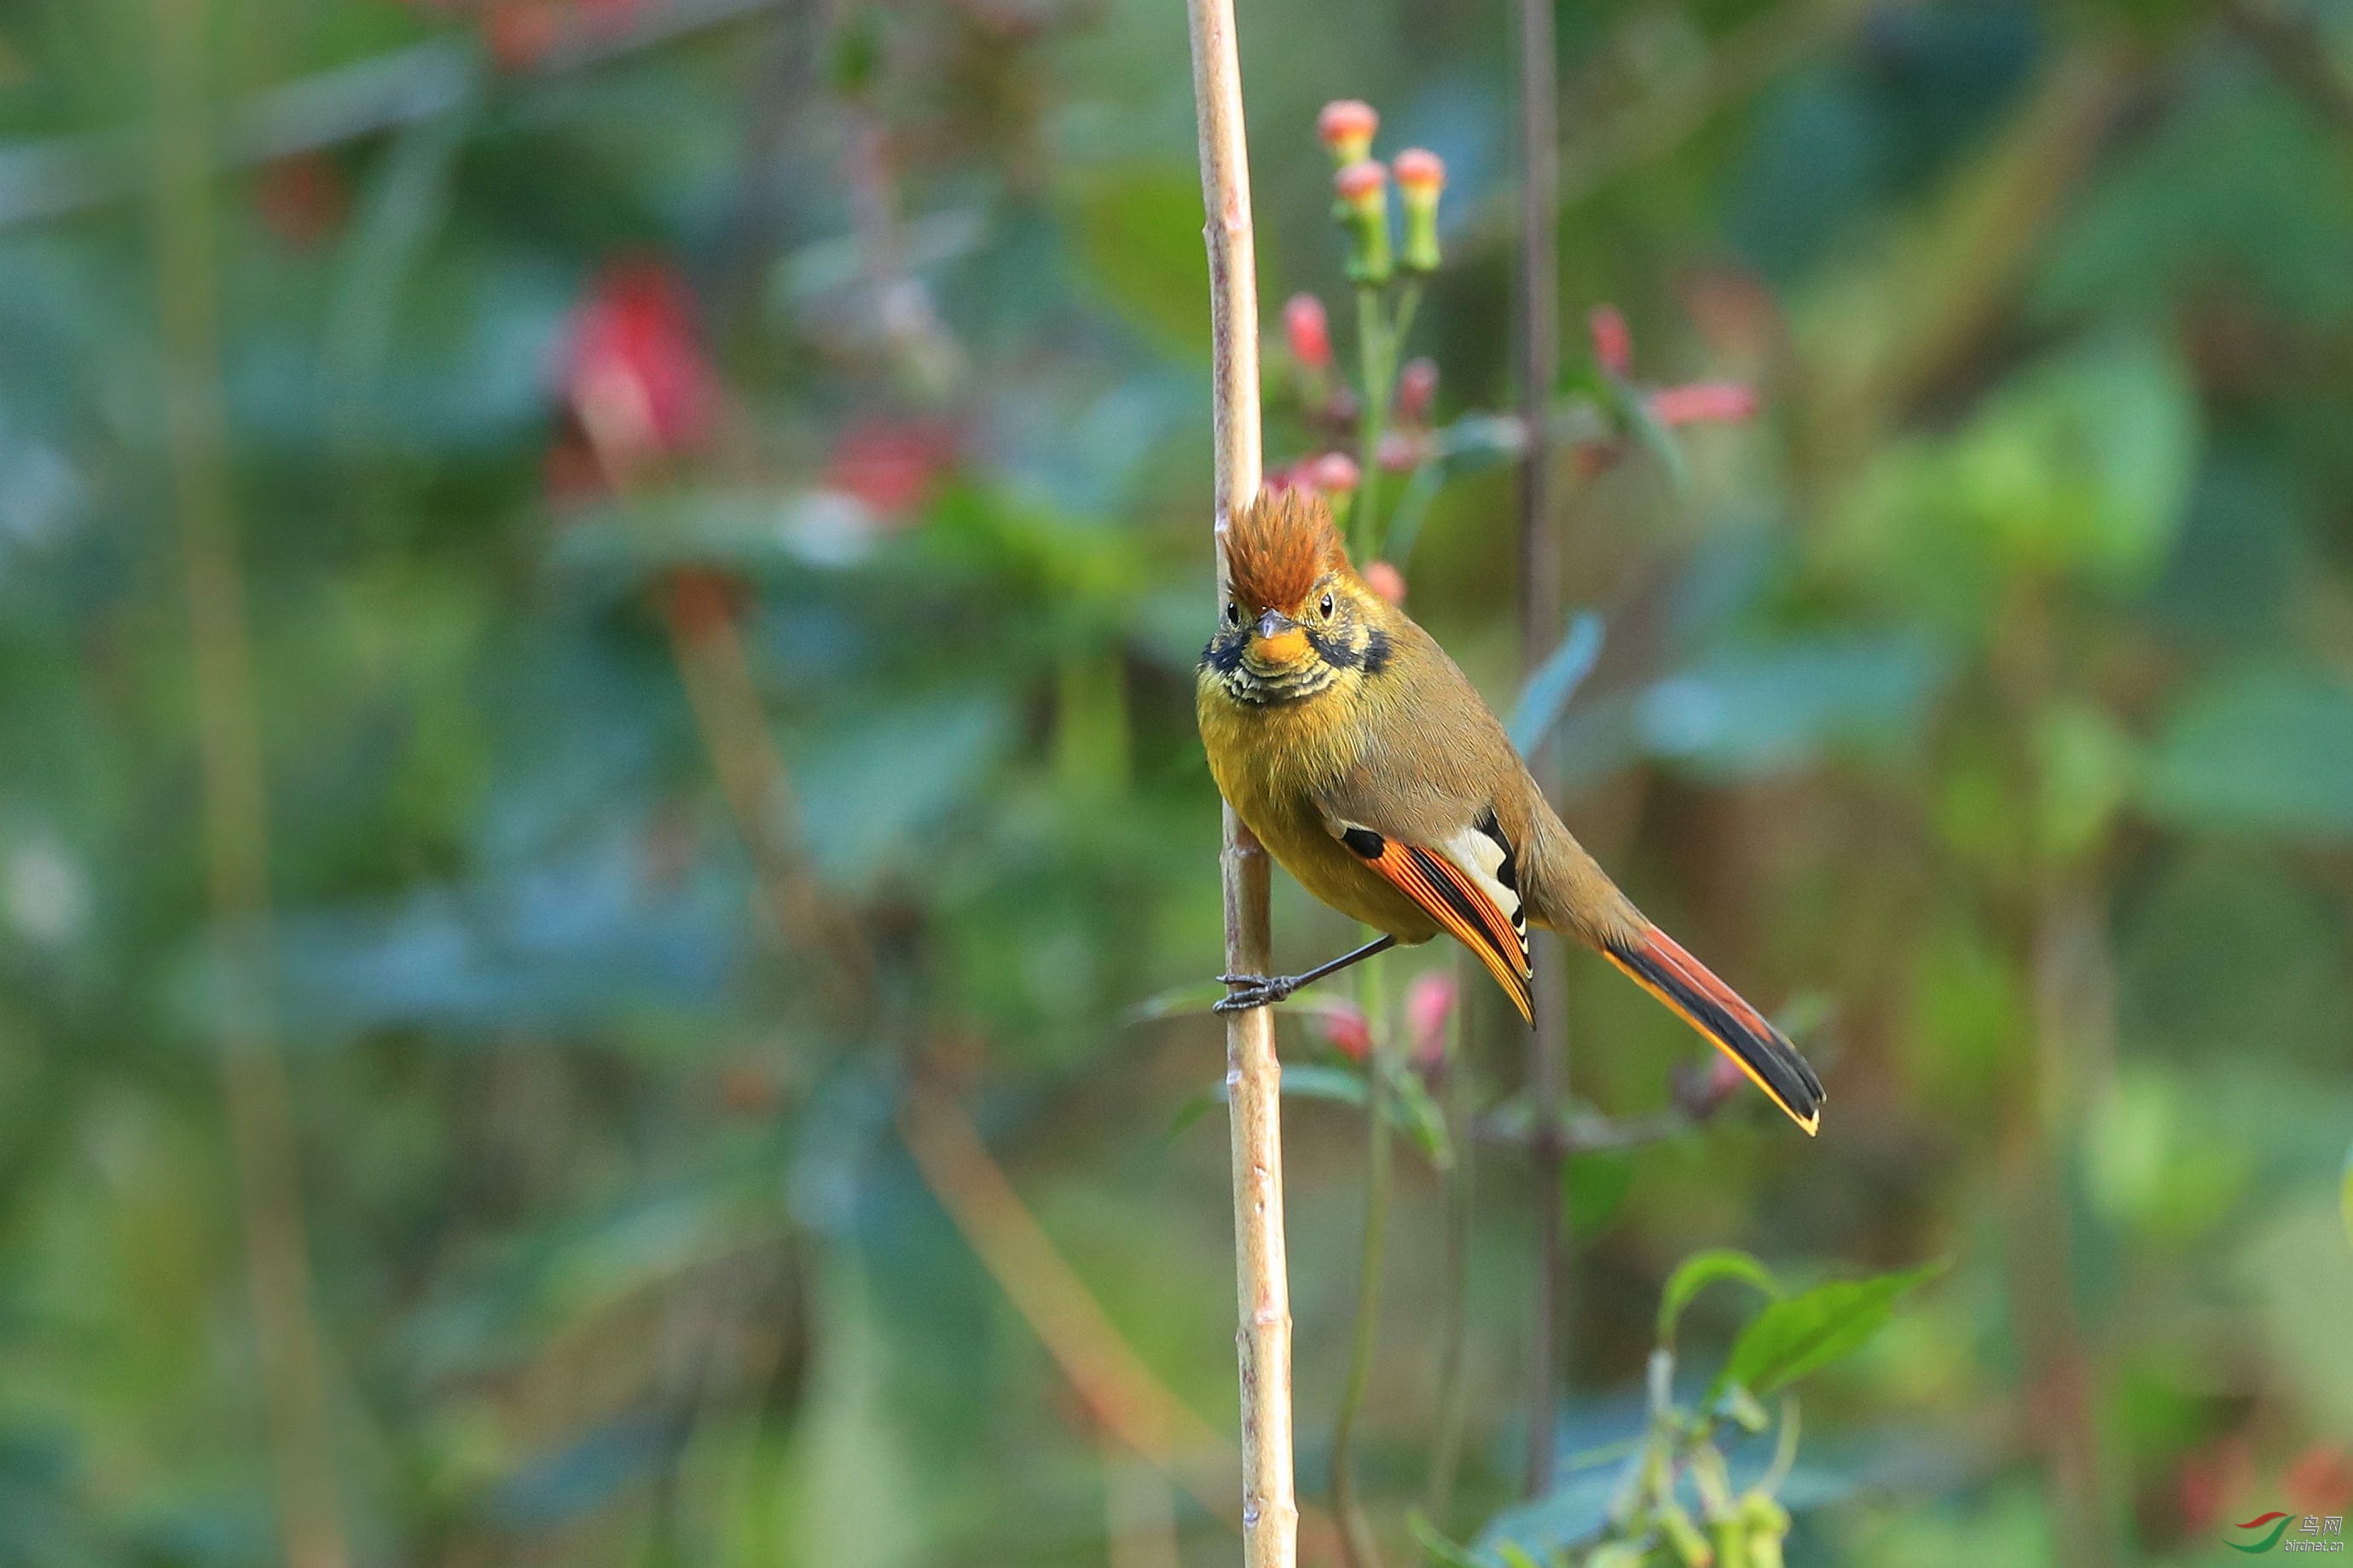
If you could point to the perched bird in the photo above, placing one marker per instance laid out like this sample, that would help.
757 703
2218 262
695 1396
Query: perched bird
1365 759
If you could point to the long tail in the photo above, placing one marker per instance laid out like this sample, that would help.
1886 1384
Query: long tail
1569 893
1659 965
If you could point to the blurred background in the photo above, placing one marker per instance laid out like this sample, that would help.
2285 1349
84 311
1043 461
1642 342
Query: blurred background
606 871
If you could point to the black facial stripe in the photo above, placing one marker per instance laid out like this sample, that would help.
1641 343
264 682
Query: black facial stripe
1372 658
1223 655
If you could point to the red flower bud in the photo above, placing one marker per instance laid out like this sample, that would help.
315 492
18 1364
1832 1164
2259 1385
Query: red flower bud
302 199
634 371
1386 581
1334 473
1421 174
1348 1030
520 33
890 465
2319 1481
1703 403
1613 343
1346 126
1429 1003
1362 185
1417 390
1309 332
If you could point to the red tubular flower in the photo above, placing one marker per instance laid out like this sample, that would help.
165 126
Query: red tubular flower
1421 174
1703 403
1348 1030
1613 343
890 465
1417 390
1363 185
1386 579
1429 1003
1346 126
634 372
1308 331
1334 473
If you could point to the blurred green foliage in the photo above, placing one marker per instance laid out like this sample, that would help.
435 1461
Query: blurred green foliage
1988 698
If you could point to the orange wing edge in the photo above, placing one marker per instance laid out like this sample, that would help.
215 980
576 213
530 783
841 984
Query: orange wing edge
1455 902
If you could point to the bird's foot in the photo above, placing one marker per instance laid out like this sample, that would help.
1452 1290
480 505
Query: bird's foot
1255 991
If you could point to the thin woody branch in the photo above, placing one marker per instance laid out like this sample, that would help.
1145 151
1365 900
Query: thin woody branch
1253 1078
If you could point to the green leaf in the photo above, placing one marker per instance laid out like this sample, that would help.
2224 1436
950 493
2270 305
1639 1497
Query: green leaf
1196 1105
1773 706
1804 1333
1139 228
1440 1552
1412 1108
1176 1002
1632 408
1318 1080
1573 1513
1554 683
1698 1272
2268 749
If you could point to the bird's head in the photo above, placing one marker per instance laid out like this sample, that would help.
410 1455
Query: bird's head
1296 618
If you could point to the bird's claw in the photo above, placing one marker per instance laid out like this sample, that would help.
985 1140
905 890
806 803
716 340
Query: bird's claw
1254 991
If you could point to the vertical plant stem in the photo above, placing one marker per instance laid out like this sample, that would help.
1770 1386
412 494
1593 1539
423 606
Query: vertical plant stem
1539 333
1253 1077
1357 1546
1375 355
2042 1116
1454 1388
236 806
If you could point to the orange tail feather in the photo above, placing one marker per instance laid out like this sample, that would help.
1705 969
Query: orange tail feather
1657 963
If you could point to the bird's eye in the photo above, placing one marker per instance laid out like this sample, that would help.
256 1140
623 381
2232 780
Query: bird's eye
1327 607
1234 612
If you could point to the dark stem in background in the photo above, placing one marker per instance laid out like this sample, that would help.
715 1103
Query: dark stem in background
1454 1388
1358 1547
1539 342
236 805
2290 45
2042 1118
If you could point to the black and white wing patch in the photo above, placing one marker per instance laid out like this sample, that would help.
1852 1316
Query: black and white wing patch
1468 885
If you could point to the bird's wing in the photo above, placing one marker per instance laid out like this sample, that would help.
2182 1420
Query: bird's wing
1467 883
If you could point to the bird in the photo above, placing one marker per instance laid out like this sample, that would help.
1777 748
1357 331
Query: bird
1365 760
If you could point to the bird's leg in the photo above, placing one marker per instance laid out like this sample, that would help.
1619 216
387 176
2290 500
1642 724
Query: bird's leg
1265 990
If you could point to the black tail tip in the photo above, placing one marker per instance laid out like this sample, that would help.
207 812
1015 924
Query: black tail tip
1729 1023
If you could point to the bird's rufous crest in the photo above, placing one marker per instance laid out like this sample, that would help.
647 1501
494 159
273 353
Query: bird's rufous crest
1280 546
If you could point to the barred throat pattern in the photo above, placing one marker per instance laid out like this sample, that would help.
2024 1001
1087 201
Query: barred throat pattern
1346 645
